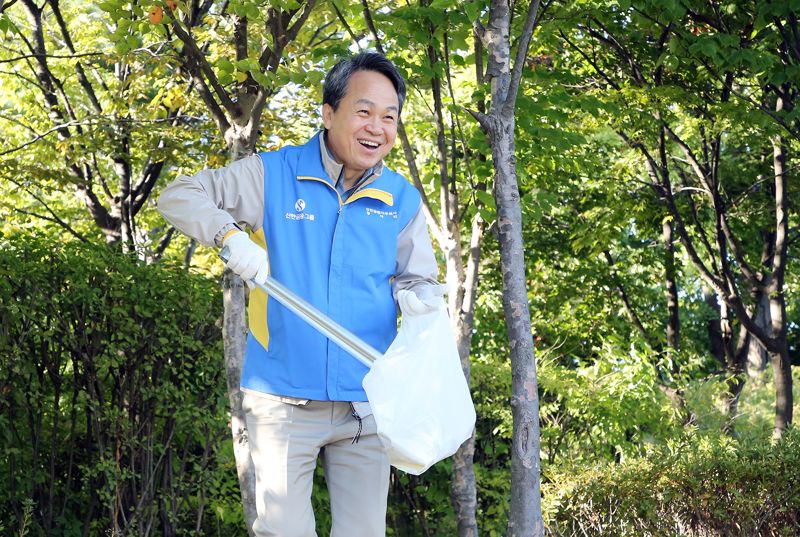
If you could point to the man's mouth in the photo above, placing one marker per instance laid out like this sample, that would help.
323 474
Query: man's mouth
369 144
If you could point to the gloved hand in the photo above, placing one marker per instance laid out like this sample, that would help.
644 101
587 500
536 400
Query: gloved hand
247 259
411 304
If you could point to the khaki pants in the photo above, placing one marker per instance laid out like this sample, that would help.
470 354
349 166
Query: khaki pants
285 441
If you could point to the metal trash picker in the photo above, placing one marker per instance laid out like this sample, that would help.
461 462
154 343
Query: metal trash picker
360 350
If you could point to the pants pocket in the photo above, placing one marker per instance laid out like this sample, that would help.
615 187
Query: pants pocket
263 409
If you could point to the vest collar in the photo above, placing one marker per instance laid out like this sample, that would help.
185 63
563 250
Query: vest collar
317 161
310 163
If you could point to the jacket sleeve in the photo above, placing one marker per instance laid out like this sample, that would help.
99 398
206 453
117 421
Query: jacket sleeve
212 202
416 267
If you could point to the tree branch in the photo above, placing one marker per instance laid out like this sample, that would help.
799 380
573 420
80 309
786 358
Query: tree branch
141 191
698 226
5 5
57 128
371 26
522 52
200 66
163 243
759 106
55 56
317 33
619 48
18 122
591 61
430 216
637 322
84 82
294 29
53 218
103 182
719 208
49 219
480 31
666 190
341 18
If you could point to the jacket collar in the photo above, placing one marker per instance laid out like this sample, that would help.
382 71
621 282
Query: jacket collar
317 161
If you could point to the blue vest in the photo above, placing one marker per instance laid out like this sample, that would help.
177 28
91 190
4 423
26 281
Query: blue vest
338 255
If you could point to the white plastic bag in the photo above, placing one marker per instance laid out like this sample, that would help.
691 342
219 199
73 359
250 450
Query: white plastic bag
418 393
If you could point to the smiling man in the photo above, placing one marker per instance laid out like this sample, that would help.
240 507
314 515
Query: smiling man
335 225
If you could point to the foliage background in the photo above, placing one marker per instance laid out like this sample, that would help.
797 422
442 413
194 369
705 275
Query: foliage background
112 392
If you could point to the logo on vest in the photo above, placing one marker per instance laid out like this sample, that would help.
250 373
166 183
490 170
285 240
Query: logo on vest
299 206
382 214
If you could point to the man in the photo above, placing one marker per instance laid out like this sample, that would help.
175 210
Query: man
336 226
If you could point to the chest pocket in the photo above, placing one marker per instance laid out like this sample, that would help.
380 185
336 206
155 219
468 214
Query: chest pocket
373 227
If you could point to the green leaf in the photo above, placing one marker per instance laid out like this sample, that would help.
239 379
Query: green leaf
122 46
485 197
225 78
251 11
261 78
224 65
108 6
473 10
247 64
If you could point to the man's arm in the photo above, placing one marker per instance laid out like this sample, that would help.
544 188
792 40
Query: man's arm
416 268
211 203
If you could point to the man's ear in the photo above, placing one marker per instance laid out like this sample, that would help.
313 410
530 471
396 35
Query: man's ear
327 115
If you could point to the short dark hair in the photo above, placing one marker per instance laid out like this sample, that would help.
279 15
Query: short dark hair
339 76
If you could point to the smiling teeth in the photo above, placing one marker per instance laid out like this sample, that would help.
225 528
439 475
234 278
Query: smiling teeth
369 143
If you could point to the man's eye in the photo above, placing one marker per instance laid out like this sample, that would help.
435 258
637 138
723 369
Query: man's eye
363 112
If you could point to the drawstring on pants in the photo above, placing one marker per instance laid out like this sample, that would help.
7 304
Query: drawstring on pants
356 416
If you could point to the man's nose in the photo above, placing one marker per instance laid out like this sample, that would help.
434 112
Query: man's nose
374 125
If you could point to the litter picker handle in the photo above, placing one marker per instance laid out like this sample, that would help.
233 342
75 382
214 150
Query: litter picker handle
360 350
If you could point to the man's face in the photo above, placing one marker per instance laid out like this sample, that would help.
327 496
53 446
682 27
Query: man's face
362 130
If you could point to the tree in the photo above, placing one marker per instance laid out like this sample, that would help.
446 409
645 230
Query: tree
498 123
458 227
111 114
235 95
687 66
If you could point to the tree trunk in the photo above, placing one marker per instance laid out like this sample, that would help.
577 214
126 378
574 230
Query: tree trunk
757 355
122 167
241 143
716 344
234 333
525 518
734 359
463 491
671 288
781 366
781 369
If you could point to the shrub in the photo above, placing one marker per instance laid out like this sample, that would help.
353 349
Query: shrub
112 396
693 487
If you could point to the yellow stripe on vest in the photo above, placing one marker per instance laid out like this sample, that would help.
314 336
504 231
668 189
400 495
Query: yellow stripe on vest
257 308
310 178
373 193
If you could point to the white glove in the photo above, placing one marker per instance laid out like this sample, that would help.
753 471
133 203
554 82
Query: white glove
247 259
411 304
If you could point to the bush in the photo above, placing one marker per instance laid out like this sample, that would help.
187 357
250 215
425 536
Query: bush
113 409
693 487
